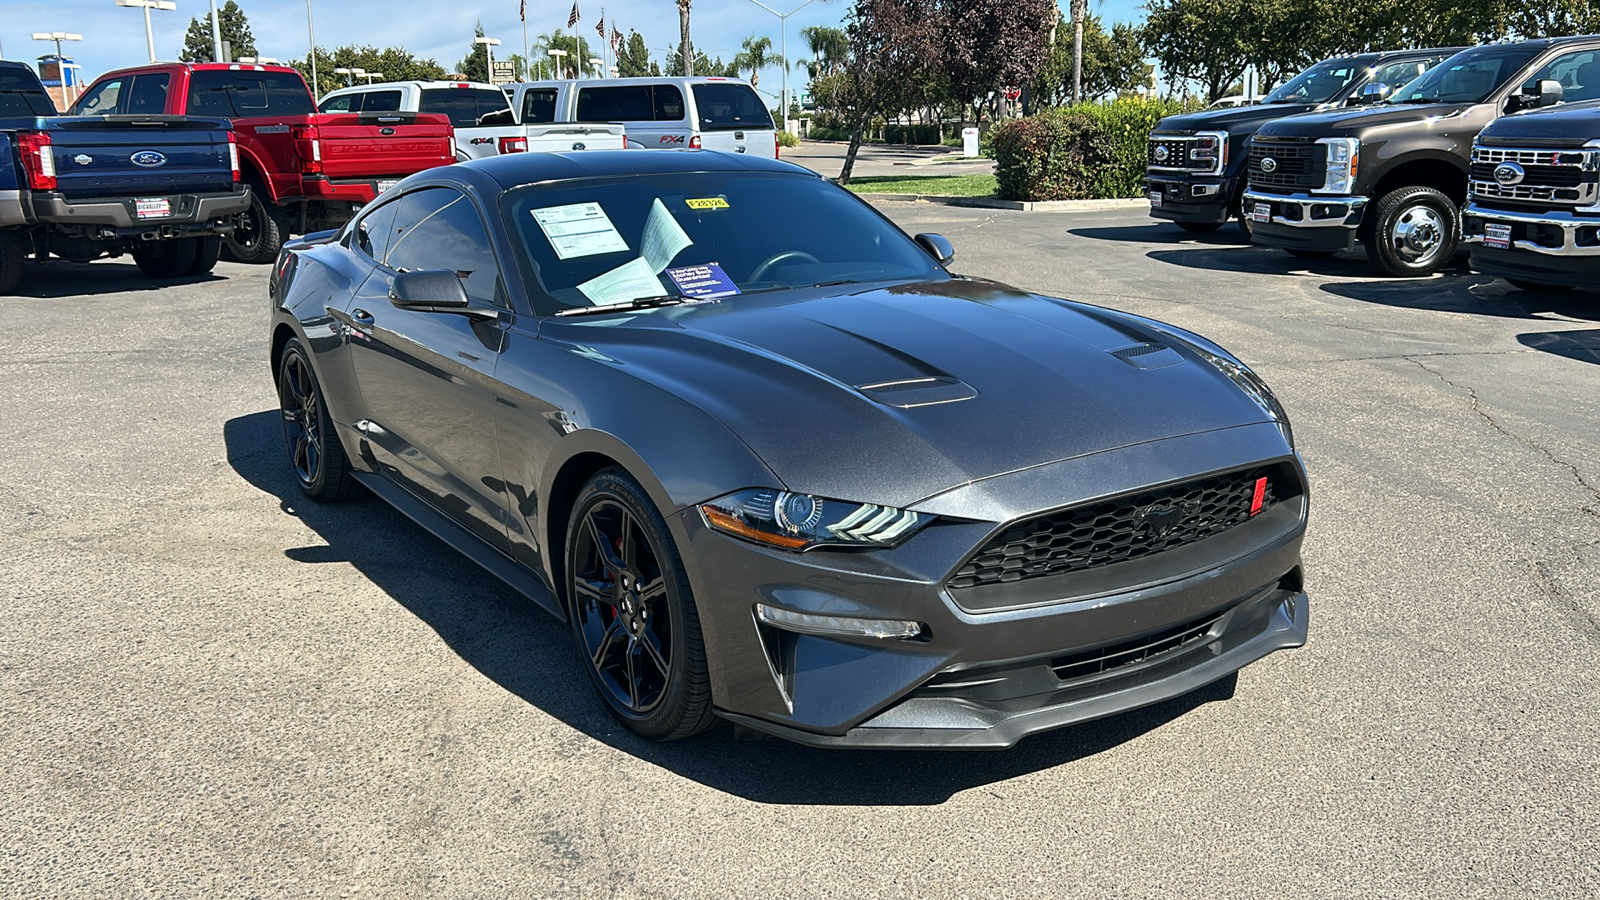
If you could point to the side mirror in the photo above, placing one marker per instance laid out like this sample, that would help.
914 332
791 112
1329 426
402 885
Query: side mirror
938 247
1542 94
1376 92
433 290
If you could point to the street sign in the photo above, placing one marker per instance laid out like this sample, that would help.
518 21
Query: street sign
503 73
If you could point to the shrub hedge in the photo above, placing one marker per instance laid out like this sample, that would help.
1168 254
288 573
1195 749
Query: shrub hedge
912 134
1087 151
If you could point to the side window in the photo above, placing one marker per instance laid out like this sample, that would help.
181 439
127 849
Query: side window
374 229
346 104
1398 75
441 229
539 107
101 99
148 94
631 103
381 101
668 103
1579 74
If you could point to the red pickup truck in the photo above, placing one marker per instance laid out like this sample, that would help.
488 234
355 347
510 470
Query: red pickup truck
308 171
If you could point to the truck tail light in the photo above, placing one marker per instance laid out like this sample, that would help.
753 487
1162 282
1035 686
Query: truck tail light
777 148
308 145
37 161
233 155
452 148
694 142
514 145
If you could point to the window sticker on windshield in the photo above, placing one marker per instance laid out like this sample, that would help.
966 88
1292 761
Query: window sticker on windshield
632 280
707 203
663 237
703 282
579 229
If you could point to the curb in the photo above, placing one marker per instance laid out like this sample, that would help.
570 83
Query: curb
1062 206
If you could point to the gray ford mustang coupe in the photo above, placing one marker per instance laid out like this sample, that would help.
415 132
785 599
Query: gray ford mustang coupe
775 464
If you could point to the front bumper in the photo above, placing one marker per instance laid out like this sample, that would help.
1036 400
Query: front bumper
1305 221
981 678
1191 198
190 213
1557 248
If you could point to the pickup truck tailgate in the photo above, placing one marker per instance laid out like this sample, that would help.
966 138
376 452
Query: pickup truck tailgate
98 156
561 138
362 145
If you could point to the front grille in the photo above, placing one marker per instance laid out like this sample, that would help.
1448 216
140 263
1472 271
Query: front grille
1138 650
1116 530
1297 167
1562 177
1179 156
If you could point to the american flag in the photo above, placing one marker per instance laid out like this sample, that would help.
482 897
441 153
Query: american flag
524 11
573 19
616 37
600 26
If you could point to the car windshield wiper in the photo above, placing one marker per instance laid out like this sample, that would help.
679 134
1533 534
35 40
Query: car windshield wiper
644 303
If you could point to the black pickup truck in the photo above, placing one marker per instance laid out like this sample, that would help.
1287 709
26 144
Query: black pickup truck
1395 176
160 187
1194 172
1534 211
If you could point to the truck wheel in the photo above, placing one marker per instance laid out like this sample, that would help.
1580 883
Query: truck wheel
1246 224
1538 288
11 254
258 232
1199 227
1414 231
207 250
165 259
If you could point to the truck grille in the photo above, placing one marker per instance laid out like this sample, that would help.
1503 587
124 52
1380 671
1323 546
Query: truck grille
1548 177
1119 529
1295 167
1174 153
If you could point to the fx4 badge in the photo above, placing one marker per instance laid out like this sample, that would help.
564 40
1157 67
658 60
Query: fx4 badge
671 139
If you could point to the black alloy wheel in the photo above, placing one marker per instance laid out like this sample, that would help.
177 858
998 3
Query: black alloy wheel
315 453
258 232
632 611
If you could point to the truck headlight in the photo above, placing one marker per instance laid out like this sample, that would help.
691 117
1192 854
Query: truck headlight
1343 155
1210 148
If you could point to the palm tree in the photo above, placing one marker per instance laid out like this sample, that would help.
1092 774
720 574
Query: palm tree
829 48
684 50
757 55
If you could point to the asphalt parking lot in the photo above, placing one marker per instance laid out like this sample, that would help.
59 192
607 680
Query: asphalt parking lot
209 687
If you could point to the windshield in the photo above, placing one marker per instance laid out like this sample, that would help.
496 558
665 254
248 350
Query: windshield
702 236
21 95
1468 77
1318 84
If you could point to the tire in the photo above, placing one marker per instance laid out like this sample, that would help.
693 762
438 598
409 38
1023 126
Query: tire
1313 254
315 453
1414 231
258 232
1246 224
11 257
165 259
632 611
206 252
1537 288
1199 227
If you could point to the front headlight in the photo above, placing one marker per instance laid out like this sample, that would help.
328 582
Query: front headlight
1211 148
800 522
1343 156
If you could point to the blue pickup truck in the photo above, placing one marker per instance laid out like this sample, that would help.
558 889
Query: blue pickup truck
162 188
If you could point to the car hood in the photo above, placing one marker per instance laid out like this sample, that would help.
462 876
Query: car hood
1229 120
1357 121
982 380
1559 126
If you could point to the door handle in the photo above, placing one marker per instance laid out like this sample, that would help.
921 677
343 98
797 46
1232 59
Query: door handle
362 316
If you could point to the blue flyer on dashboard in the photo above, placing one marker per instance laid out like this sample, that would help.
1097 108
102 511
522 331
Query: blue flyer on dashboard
703 282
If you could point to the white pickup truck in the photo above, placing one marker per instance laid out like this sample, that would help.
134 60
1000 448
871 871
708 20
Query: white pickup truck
660 113
484 122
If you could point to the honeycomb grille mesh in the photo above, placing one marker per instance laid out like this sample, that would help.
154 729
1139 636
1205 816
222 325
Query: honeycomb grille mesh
1115 530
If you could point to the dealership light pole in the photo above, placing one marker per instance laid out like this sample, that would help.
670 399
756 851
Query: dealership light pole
350 75
216 34
58 37
783 43
147 5
557 54
488 54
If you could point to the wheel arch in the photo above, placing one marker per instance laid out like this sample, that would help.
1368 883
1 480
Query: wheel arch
1443 173
254 173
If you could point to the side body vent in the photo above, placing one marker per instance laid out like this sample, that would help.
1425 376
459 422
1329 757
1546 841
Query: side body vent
1148 355
910 393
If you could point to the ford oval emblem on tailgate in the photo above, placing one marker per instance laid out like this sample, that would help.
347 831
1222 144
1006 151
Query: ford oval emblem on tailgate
148 159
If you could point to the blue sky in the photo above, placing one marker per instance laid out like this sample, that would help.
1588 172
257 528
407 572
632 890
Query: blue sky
114 36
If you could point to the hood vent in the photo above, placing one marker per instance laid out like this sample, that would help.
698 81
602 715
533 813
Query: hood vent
910 393
1148 355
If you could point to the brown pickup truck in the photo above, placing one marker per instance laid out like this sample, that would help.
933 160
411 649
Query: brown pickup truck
307 171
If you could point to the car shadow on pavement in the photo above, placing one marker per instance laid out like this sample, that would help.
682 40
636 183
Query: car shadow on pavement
1465 292
1583 346
1158 232
530 654
57 279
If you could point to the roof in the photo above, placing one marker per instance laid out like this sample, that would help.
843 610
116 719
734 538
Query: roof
513 169
203 67
423 85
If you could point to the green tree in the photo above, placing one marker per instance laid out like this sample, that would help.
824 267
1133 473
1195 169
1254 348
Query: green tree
756 54
633 57
394 64
829 47
474 66
1207 41
235 28
578 50
1113 64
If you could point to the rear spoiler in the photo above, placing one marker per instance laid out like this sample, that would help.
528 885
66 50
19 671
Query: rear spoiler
170 123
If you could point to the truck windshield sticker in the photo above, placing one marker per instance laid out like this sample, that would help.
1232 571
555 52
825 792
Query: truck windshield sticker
707 203
579 229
